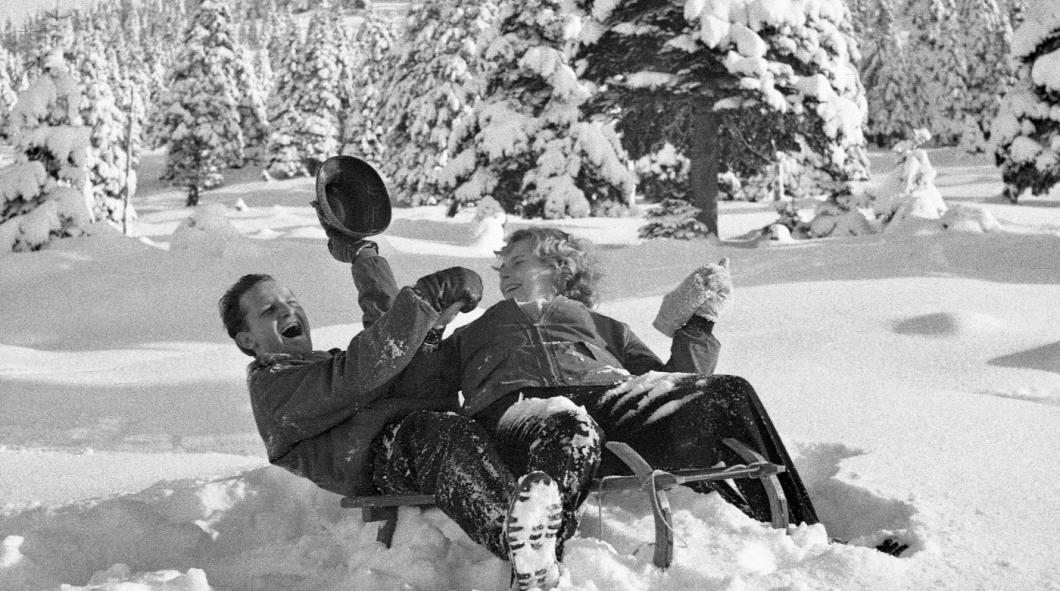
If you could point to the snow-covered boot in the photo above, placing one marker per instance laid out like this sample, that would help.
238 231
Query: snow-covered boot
535 514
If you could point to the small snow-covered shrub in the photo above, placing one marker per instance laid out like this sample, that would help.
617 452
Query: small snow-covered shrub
674 218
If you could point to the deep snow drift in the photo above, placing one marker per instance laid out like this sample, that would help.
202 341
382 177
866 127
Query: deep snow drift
915 377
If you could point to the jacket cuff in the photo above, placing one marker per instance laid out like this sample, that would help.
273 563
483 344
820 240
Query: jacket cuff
699 324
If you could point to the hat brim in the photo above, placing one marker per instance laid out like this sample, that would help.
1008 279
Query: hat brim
354 195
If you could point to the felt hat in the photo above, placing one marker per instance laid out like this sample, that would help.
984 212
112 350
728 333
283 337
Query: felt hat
352 198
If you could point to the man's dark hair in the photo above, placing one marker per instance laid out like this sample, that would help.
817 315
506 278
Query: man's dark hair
232 313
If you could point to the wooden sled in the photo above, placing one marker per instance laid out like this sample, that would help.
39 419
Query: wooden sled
654 482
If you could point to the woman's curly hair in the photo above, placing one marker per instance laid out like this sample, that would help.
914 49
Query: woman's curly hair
572 259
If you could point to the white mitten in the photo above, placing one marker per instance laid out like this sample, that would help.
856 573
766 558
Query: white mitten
705 292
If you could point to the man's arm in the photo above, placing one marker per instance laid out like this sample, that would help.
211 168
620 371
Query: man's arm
376 287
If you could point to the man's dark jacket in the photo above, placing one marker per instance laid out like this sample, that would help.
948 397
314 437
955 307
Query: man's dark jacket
319 413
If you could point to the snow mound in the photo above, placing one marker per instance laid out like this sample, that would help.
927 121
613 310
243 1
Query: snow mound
949 324
208 232
967 218
268 530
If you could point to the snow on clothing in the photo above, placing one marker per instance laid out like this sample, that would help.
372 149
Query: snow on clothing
682 427
455 459
568 350
318 413
505 350
334 418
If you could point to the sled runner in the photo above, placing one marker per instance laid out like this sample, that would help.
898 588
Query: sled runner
654 482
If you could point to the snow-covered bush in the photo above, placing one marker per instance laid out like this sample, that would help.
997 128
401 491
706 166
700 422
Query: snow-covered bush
434 78
1027 129
910 189
839 215
673 218
43 195
526 143
780 76
201 119
905 200
663 174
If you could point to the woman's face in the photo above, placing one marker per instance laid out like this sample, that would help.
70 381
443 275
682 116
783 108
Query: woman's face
523 276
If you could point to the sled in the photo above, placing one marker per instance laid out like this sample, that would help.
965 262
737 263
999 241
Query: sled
655 483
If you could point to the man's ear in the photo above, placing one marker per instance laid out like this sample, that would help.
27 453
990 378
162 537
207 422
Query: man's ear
246 340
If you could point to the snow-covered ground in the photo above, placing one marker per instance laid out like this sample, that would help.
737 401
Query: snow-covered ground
916 378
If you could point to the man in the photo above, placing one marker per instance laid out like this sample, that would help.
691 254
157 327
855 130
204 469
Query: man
333 416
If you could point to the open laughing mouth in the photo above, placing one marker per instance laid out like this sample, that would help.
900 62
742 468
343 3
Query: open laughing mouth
293 331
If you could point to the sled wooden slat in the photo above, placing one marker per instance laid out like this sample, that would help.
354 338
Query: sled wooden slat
384 508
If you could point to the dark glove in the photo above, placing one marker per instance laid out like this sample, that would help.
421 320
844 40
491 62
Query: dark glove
449 286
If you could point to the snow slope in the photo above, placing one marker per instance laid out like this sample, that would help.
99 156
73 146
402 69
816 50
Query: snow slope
916 379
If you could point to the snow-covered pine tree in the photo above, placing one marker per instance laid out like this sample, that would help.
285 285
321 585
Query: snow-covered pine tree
253 118
895 101
526 143
282 153
160 25
263 67
7 89
935 49
107 156
201 107
732 86
366 66
434 79
43 194
1027 128
310 96
990 72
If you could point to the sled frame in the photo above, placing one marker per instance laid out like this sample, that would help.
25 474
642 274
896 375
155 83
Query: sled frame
384 508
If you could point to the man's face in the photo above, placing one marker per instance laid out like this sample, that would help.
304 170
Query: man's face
275 321
524 277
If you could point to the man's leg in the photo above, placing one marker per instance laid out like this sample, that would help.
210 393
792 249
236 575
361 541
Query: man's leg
376 286
556 437
451 457
684 428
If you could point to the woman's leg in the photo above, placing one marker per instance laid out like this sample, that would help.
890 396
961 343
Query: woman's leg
684 428
558 438
453 458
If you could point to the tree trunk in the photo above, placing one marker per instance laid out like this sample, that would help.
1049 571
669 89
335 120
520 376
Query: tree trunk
703 169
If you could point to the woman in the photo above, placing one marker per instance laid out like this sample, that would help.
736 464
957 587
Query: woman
538 370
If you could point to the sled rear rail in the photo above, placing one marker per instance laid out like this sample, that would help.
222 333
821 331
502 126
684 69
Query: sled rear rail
654 482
